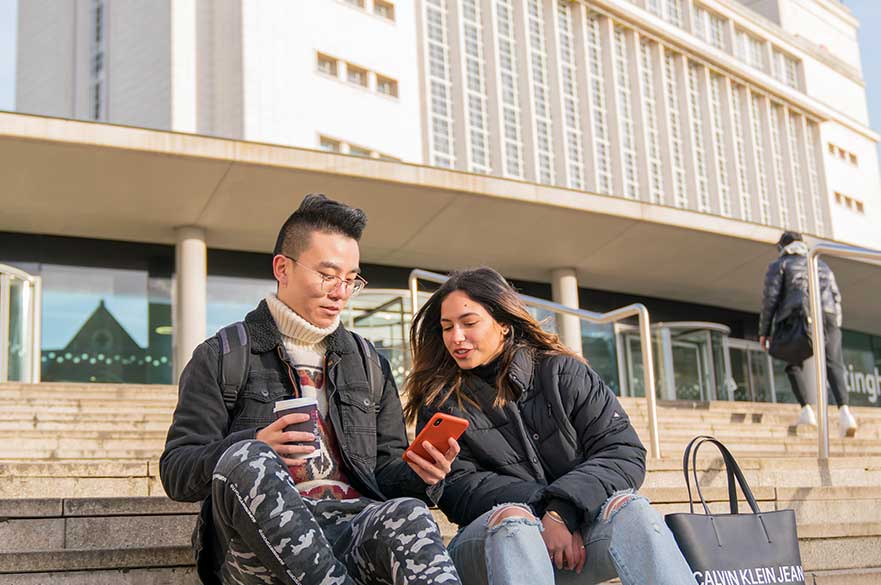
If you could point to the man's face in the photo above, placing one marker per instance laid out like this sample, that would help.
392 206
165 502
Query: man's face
302 286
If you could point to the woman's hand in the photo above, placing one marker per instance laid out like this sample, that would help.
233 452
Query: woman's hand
565 548
433 472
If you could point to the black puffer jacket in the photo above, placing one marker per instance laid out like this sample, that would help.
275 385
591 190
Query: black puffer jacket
372 438
786 289
565 442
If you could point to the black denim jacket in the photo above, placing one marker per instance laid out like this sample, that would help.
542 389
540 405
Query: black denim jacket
371 437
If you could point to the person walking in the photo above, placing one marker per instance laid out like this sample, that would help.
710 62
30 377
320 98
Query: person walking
785 297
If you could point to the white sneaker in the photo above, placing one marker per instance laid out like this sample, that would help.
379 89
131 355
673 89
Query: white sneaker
806 416
847 424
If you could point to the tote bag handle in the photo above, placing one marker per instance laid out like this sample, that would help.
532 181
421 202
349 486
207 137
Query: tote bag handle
731 467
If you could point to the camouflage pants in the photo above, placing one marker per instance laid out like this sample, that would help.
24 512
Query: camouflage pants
275 536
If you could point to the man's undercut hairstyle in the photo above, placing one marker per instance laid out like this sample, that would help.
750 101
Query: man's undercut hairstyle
317 213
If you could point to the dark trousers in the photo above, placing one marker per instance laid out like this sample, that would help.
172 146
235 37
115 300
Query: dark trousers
834 369
273 536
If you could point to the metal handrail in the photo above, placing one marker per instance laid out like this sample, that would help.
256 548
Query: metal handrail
818 333
636 309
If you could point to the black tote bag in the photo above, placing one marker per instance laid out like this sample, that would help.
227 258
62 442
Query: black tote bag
755 547
791 341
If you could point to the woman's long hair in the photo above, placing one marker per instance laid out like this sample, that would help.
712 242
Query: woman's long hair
435 376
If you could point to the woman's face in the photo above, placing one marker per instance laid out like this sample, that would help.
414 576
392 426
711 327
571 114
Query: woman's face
470 333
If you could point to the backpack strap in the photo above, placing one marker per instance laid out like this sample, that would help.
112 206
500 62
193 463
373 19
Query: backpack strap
372 367
235 350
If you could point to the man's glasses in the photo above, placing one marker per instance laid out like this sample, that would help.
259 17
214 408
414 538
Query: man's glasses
330 283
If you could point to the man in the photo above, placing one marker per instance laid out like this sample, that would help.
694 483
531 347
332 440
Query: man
270 515
786 297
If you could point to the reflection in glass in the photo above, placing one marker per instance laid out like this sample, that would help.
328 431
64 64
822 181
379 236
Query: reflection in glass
230 298
105 325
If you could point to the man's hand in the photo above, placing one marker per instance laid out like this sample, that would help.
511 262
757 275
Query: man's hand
290 443
565 548
429 472
765 342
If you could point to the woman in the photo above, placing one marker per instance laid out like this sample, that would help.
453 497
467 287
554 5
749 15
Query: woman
544 486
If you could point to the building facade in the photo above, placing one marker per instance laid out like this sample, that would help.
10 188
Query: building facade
750 110
750 115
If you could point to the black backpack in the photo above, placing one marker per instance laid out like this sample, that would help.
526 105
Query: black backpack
235 349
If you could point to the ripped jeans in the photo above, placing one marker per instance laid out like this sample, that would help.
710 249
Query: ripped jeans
632 543
271 535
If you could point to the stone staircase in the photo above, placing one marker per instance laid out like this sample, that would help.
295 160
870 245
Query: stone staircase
81 502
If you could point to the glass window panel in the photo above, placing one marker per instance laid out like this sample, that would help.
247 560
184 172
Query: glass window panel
104 325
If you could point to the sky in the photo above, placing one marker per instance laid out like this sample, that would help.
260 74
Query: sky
867 11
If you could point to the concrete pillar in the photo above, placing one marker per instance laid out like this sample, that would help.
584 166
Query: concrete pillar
191 268
564 288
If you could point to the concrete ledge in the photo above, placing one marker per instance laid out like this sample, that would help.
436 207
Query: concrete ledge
31 508
139 506
846 577
162 576
79 560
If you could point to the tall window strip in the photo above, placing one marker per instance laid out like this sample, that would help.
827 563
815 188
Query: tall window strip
755 110
814 175
650 112
574 149
792 123
599 118
709 27
540 92
513 159
669 10
680 196
717 87
441 114
779 169
98 85
697 137
475 86
625 115
737 95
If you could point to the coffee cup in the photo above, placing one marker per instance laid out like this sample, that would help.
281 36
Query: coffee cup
308 406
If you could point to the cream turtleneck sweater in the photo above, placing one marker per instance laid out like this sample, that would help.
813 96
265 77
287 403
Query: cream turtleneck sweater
306 345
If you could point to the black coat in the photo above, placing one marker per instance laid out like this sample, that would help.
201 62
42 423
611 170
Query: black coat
371 438
565 442
786 289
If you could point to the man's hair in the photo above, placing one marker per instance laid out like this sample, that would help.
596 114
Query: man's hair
317 213
788 237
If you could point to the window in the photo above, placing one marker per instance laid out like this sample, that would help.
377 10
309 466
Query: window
384 9
386 85
356 3
98 87
329 144
851 203
327 65
669 10
750 50
356 75
710 27
359 151
843 154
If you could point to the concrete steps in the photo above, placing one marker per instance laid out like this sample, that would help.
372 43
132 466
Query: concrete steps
74 446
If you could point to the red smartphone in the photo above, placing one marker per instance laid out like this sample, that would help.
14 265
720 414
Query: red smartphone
438 431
